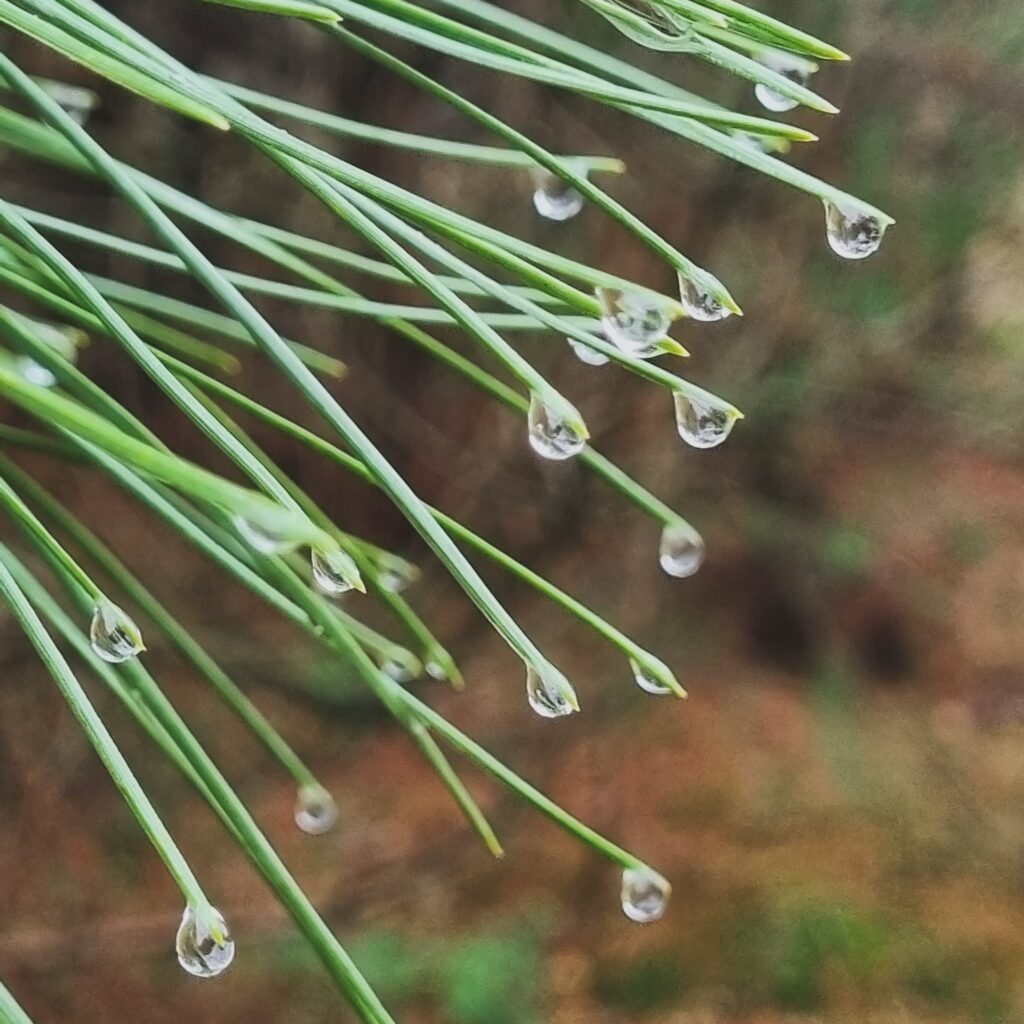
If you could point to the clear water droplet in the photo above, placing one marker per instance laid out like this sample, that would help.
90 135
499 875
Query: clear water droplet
77 102
334 572
550 694
397 578
260 539
113 635
681 552
200 952
34 373
645 894
586 354
703 422
633 321
553 197
550 436
399 671
774 101
793 68
646 682
699 303
436 670
852 233
315 810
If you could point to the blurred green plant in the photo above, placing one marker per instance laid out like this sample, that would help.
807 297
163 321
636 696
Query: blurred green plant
252 532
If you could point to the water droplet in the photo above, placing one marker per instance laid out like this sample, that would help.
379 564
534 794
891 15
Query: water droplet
703 422
852 233
315 810
586 354
436 670
633 321
646 682
113 635
201 952
77 102
553 197
550 435
699 303
644 894
550 694
334 572
795 69
681 552
395 578
399 670
34 373
260 539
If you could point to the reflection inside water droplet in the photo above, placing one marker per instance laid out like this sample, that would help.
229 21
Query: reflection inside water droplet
645 894
199 951
550 695
852 233
113 634
553 197
550 436
681 552
315 810
633 321
586 354
334 572
795 69
647 682
259 538
703 422
699 303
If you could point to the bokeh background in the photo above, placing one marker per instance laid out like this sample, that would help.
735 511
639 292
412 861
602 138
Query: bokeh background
840 805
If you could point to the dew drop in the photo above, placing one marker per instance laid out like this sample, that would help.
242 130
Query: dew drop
702 422
550 695
553 197
586 354
334 572
436 670
398 671
397 578
699 303
644 894
633 321
260 539
113 635
852 233
550 436
646 682
200 953
315 810
681 552
800 73
34 373
77 102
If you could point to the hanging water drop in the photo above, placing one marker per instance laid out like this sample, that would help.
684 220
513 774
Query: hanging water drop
315 810
202 951
34 373
550 694
78 103
113 635
644 894
699 303
703 422
633 321
550 436
852 233
795 69
681 552
334 572
397 577
436 670
586 354
399 670
647 682
260 539
554 198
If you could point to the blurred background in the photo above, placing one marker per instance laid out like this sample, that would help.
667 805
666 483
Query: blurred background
840 804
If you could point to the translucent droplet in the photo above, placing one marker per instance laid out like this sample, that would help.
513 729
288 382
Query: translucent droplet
550 694
397 578
633 321
77 102
852 233
586 354
34 373
399 670
113 635
436 670
260 539
201 952
553 197
699 303
646 682
795 69
644 894
334 572
703 422
681 552
550 436
315 810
